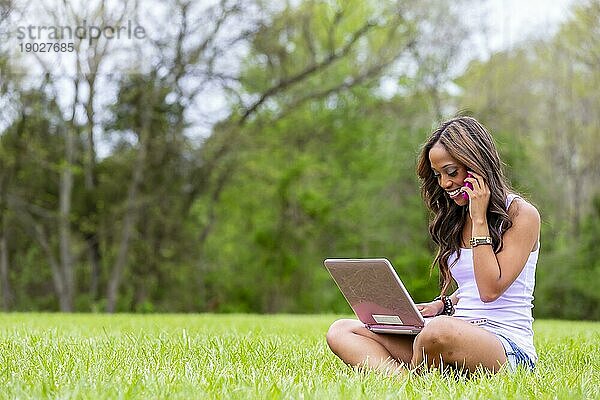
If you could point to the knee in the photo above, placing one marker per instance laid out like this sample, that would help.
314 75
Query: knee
338 331
438 334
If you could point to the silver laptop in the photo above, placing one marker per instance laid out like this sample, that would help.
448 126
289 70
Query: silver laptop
376 294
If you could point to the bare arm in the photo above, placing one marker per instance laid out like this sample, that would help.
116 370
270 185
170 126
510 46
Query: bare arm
435 307
494 273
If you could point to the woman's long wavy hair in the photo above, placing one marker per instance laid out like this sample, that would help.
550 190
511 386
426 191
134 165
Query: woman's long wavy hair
468 142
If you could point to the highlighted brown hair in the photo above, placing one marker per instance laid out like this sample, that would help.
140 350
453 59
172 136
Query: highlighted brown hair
467 141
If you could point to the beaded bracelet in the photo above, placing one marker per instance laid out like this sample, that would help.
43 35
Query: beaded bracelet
448 306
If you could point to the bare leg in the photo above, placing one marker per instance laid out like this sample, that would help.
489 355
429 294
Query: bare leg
358 346
459 344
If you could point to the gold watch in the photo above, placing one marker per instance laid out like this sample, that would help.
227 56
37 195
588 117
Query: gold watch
478 240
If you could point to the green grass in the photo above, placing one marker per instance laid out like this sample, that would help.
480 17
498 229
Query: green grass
253 356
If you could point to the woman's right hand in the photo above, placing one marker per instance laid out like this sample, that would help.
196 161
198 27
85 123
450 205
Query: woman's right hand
431 309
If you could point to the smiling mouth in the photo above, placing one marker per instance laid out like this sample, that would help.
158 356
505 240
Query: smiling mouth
454 193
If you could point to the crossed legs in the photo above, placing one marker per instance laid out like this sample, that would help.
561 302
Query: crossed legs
358 346
444 339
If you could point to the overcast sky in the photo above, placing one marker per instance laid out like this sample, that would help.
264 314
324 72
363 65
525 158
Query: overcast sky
515 20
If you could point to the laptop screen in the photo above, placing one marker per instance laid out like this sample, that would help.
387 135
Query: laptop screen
374 291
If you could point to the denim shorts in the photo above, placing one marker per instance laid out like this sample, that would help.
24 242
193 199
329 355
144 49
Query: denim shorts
515 355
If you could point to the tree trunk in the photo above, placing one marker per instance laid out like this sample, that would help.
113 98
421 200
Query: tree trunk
4 268
57 274
64 225
91 238
4 259
131 215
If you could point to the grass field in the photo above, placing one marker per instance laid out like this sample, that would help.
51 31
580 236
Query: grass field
253 356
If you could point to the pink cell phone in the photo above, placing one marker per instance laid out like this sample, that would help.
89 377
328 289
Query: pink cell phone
465 195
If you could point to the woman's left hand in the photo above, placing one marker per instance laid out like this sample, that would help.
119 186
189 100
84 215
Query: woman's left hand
479 197
431 309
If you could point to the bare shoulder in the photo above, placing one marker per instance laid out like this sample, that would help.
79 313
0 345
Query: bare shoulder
526 221
523 214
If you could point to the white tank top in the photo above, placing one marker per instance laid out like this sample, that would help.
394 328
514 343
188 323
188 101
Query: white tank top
510 314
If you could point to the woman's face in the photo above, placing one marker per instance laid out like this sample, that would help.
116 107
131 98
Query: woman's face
450 173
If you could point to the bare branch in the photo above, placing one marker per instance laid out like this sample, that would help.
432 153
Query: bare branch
306 29
308 71
347 84
18 203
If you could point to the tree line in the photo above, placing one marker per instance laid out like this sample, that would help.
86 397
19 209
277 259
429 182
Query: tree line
122 189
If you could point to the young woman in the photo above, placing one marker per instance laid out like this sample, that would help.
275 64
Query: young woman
488 243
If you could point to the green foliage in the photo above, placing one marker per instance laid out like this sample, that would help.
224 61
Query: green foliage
568 289
338 183
311 162
336 173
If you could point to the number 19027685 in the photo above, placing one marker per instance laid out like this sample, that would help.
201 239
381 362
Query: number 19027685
46 47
